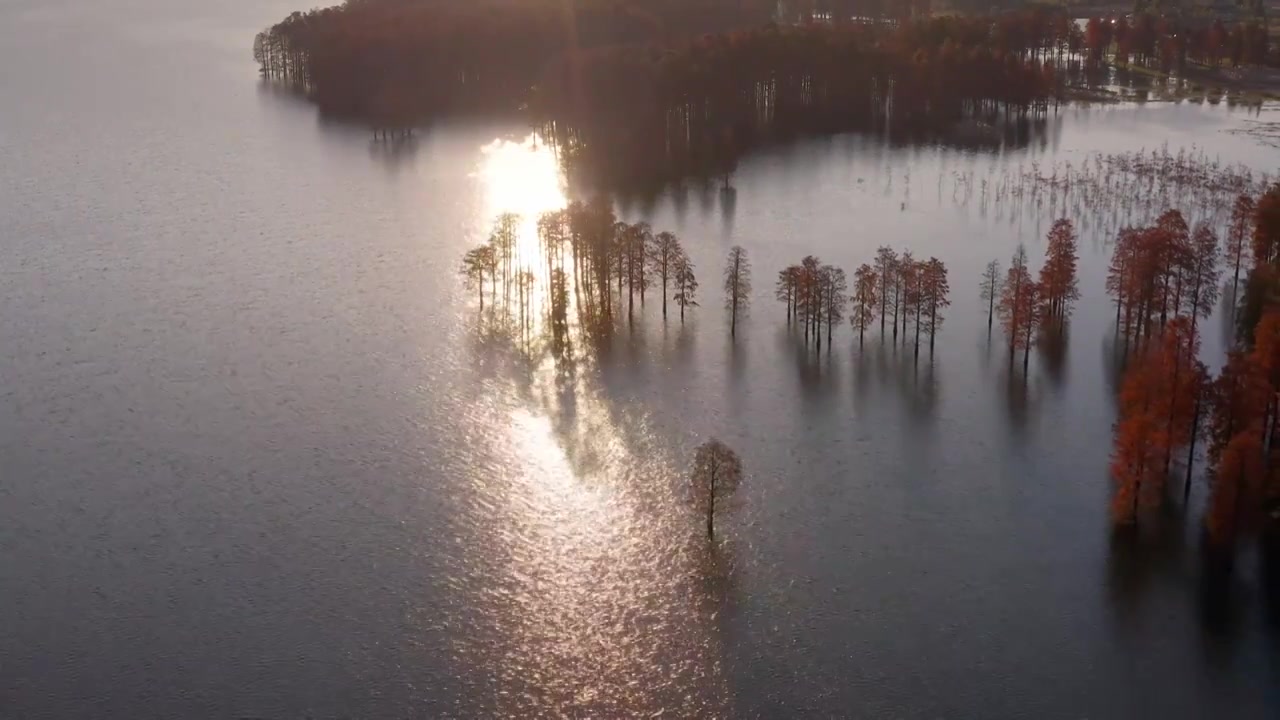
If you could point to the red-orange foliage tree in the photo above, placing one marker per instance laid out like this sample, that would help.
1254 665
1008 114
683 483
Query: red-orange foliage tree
1019 306
1239 231
864 299
1058 275
1266 228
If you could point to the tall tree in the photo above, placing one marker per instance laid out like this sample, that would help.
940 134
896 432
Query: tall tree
664 254
887 264
1058 275
716 475
1266 228
686 285
935 295
787 289
865 287
903 283
1239 231
835 294
737 285
1201 273
990 288
474 266
1016 297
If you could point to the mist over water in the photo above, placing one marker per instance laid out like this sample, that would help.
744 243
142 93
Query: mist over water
260 454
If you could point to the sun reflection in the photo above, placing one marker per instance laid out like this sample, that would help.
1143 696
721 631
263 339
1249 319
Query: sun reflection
522 178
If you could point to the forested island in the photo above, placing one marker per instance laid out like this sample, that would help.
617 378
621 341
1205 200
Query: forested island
645 91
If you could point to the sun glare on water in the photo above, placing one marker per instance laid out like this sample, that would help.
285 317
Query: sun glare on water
521 177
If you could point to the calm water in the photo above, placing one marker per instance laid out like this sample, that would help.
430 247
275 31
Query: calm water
258 458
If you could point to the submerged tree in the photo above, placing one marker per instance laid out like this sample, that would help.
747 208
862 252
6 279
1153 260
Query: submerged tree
835 294
475 264
787 289
887 266
935 295
864 299
686 285
1058 275
1019 305
737 285
1239 232
717 472
665 254
990 288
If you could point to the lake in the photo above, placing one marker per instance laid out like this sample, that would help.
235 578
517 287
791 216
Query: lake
261 457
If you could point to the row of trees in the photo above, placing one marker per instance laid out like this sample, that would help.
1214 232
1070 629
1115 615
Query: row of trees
583 255
658 88
394 62
633 114
1165 279
1028 306
1168 42
912 291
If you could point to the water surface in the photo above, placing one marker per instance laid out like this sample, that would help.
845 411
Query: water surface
259 457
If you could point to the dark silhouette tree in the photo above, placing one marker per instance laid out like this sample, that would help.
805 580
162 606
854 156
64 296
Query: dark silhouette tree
935 295
990 288
664 256
835 295
865 290
686 285
787 289
716 475
1239 232
1266 228
887 266
737 285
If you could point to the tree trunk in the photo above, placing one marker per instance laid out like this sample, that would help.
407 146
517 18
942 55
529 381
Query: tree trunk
1191 453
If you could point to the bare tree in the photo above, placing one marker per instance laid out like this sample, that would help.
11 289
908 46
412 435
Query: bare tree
717 472
887 263
991 290
663 254
835 294
686 284
737 285
935 295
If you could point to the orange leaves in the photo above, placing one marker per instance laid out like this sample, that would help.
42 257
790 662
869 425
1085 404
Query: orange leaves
1058 276
1266 229
1236 485
1158 403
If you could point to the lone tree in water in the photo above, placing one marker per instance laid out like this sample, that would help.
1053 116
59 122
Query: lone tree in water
991 290
737 285
1058 283
717 472
664 255
686 284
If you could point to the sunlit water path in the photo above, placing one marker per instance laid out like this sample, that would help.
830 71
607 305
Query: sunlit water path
261 456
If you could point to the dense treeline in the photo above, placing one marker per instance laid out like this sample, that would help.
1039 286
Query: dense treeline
1165 278
658 88
396 62
1168 42
626 113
